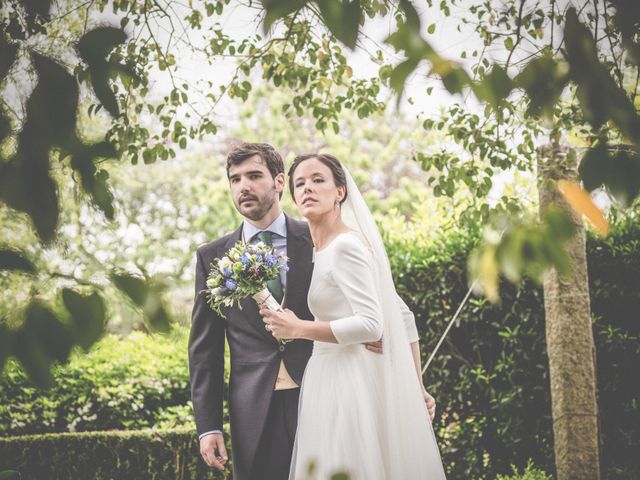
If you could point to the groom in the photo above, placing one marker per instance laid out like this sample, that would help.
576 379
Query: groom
265 376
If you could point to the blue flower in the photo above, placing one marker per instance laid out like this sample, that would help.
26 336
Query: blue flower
284 268
244 259
271 260
231 284
227 272
258 257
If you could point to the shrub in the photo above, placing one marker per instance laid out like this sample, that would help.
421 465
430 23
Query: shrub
490 377
530 473
129 383
148 454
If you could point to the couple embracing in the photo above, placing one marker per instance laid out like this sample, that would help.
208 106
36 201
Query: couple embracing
345 393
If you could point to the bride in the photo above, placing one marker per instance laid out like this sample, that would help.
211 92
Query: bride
359 413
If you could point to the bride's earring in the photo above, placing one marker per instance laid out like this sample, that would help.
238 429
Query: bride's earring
337 203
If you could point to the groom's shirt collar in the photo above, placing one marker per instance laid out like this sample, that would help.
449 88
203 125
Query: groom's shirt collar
277 227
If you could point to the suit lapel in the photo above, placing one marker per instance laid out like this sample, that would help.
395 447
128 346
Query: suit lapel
233 239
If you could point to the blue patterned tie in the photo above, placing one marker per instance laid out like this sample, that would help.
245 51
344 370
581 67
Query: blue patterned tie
274 286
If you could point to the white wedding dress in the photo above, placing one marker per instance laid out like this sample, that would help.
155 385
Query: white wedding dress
360 412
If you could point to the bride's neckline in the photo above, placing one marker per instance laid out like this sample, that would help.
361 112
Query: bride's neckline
316 251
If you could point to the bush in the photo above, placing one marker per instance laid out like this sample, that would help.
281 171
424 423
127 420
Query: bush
529 473
149 455
137 382
491 377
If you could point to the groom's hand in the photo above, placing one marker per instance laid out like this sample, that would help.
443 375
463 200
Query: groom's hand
213 450
375 347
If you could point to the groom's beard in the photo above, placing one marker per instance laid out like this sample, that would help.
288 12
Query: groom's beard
261 206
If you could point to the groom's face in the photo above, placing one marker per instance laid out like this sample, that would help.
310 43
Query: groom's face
254 191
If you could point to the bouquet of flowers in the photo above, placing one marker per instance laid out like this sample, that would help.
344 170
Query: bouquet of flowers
244 272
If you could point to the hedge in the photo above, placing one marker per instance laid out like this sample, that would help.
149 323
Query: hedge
490 377
140 381
145 454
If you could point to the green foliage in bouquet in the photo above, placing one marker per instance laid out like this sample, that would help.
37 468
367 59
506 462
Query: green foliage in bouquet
242 273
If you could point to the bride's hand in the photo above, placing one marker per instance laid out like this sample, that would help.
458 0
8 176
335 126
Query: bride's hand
282 325
431 403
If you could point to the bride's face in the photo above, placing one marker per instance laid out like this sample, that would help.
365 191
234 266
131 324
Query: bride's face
314 189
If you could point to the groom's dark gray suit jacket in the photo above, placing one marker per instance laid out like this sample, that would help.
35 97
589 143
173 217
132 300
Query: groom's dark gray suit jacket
254 354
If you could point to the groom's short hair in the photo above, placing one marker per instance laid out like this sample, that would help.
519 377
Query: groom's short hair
266 152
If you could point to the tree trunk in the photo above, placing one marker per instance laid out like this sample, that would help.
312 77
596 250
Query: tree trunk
569 337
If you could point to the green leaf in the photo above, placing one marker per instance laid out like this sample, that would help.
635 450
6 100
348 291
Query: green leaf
135 287
40 341
15 260
627 19
148 296
616 168
400 73
593 167
88 316
559 224
454 78
94 181
94 46
277 9
494 87
342 18
544 80
6 341
159 318
600 97
5 125
33 193
408 39
411 14
51 119
623 176
102 150
36 10
9 474
508 43
7 56
340 476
